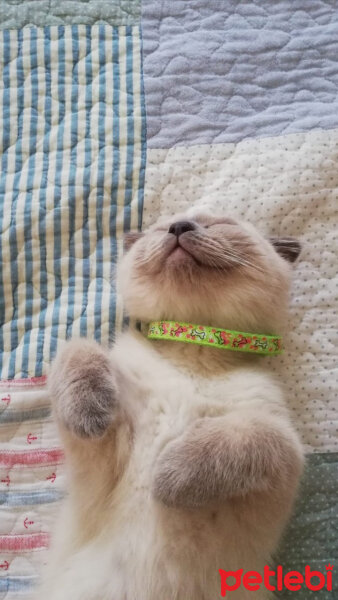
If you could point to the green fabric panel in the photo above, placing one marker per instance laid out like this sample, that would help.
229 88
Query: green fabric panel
15 14
312 536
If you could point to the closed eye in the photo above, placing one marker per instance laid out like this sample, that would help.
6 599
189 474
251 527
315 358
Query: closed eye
222 222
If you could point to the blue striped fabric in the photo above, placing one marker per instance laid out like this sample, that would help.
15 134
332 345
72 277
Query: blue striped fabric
31 414
14 498
16 584
73 161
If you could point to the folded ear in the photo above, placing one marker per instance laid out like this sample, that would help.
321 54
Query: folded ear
288 247
130 238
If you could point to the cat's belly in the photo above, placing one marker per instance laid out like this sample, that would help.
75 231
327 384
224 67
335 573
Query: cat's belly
134 566
160 552
154 555
149 551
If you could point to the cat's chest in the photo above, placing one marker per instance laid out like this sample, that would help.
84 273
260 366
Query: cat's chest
173 404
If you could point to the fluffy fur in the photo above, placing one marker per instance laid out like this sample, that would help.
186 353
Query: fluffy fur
181 459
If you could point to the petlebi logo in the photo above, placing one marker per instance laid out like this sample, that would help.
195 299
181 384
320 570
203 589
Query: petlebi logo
290 580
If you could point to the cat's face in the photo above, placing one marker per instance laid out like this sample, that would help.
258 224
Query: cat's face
208 270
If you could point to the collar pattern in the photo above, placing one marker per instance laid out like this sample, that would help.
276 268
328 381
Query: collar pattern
226 339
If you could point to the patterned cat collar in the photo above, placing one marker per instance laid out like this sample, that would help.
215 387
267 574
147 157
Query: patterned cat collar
226 339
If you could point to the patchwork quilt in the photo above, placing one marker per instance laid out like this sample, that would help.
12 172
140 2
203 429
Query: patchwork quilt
114 112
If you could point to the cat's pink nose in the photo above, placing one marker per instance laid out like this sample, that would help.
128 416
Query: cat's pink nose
181 227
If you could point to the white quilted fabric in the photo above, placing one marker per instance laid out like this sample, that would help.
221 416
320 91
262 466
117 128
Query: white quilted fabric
286 185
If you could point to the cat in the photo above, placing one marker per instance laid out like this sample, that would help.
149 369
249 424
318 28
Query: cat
182 459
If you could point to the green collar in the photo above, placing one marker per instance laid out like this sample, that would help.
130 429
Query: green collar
226 339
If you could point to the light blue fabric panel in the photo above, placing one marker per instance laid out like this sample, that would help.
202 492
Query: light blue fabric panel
222 71
16 585
20 13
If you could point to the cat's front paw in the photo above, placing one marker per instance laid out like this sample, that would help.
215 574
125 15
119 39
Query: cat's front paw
182 479
83 387
218 458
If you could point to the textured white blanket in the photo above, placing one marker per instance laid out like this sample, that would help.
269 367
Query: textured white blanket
286 185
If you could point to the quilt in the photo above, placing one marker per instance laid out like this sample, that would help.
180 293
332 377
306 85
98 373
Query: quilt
114 112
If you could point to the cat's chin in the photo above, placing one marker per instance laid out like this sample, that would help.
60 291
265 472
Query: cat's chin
180 258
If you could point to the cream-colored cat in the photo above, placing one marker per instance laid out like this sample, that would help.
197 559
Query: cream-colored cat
182 459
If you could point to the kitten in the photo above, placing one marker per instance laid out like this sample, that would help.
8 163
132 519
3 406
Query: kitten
182 459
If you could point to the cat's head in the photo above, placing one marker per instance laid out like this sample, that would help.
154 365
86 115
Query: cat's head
209 270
